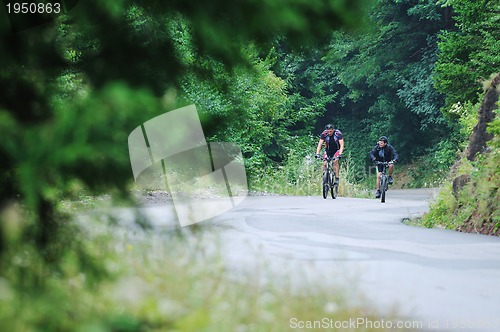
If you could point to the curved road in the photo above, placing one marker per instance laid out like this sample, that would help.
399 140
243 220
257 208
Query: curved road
446 279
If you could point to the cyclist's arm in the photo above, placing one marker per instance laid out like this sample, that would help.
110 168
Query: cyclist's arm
320 145
341 143
394 154
372 154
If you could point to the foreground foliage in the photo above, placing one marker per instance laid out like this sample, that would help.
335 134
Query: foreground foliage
79 84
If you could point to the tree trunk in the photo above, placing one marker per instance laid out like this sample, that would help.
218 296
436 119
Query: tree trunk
479 135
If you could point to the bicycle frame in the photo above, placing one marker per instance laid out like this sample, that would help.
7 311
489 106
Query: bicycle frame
384 181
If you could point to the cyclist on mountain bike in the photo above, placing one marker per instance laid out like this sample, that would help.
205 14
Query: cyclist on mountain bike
383 152
334 146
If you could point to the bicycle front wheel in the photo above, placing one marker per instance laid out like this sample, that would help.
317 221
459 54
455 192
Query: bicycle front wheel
335 191
383 186
325 184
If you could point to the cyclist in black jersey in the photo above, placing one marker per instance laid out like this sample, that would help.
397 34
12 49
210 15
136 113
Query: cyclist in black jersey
383 151
334 146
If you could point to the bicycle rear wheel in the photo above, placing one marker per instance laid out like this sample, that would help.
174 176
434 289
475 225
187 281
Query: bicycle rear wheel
325 184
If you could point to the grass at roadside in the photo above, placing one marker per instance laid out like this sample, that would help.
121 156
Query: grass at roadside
469 201
304 178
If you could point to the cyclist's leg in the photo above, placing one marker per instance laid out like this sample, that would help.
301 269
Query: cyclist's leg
390 170
378 192
380 169
379 174
336 165
336 168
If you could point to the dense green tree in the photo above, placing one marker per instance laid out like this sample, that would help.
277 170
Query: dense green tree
247 106
468 53
387 74
310 84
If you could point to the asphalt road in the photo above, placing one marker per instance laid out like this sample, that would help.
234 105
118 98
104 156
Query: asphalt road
446 279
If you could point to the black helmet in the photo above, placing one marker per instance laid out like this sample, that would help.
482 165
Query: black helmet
329 126
383 139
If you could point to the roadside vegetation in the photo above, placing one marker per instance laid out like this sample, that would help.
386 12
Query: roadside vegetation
263 78
469 200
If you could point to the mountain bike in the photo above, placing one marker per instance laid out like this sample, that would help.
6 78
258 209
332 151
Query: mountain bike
384 179
329 184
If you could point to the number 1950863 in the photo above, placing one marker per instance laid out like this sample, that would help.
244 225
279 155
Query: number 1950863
33 8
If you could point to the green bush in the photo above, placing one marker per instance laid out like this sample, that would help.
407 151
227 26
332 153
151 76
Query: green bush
432 169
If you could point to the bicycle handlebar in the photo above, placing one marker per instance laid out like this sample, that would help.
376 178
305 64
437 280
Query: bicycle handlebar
328 158
384 162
